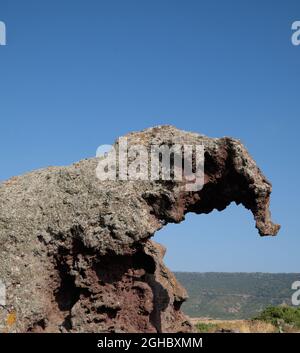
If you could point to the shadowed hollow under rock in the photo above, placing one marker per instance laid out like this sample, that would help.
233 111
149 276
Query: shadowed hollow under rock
76 254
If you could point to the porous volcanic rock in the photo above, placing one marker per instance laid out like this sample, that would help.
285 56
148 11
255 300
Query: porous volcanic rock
76 254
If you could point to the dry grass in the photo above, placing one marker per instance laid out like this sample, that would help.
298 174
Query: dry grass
242 326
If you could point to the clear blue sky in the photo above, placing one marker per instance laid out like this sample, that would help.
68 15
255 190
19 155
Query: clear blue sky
78 74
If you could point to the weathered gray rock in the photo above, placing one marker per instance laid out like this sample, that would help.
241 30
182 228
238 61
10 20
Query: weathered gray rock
75 253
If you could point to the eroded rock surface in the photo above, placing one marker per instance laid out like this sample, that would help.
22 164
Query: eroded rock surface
76 254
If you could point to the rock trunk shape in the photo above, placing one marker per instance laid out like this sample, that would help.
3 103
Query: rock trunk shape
76 254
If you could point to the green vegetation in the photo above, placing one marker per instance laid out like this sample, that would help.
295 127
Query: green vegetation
280 316
203 327
234 296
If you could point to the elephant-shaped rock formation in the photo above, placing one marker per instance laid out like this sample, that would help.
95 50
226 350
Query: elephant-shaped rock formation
75 251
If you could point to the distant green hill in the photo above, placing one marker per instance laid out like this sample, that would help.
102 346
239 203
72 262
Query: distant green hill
234 295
